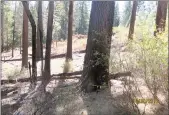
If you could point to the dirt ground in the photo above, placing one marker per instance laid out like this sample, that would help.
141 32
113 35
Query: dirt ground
64 97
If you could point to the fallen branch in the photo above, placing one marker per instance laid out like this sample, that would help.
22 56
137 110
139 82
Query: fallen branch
120 74
64 76
68 74
7 81
7 90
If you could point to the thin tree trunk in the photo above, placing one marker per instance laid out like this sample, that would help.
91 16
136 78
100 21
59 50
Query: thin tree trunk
25 40
161 16
69 41
2 26
47 75
7 39
38 52
40 29
132 21
96 62
20 45
13 40
34 68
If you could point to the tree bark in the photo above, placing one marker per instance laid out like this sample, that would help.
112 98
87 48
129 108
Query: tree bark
38 52
47 74
13 40
69 40
96 62
25 40
2 26
161 16
40 33
7 39
20 45
132 21
34 68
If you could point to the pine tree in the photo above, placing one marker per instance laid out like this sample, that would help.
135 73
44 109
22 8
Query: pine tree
47 74
2 26
96 62
161 16
33 25
25 40
132 20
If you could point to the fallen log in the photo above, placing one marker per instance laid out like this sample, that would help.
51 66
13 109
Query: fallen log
64 76
6 90
68 74
120 74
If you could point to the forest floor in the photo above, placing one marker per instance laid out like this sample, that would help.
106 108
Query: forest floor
63 97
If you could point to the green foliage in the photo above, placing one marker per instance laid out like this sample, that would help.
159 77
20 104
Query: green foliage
81 15
146 57
8 24
153 58
126 13
68 66
60 20
13 73
116 16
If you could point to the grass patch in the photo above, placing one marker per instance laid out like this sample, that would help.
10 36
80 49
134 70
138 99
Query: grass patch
68 66
13 73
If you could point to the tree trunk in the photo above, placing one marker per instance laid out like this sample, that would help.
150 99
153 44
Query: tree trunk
96 62
20 45
40 32
69 40
47 75
161 16
7 39
13 40
132 21
34 68
2 26
38 52
25 40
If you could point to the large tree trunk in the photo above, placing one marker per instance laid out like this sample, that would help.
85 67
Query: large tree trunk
40 34
132 21
2 26
96 62
34 68
69 40
25 40
13 40
161 16
46 74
